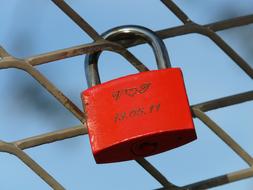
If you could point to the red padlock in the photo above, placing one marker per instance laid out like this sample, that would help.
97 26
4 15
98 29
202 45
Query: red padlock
140 114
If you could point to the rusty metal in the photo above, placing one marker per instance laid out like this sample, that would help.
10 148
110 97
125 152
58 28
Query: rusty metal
28 65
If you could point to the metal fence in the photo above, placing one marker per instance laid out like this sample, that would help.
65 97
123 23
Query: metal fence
198 111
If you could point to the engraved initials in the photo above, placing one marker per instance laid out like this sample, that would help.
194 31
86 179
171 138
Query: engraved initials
131 91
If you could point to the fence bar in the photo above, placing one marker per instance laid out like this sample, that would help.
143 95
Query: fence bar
224 136
51 137
154 172
225 101
43 174
76 18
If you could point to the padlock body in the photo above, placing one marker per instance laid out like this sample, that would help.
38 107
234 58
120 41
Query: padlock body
138 115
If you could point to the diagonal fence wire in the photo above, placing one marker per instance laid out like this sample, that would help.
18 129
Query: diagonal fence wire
28 65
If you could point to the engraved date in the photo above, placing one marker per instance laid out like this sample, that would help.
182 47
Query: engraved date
136 112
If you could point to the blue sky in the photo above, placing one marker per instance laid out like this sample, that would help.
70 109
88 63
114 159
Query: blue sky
33 27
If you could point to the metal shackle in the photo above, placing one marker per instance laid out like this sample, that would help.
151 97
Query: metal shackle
121 34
